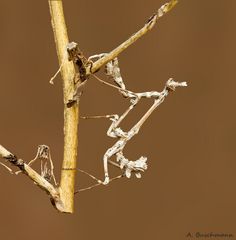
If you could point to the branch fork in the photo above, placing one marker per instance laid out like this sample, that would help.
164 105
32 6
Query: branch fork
75 70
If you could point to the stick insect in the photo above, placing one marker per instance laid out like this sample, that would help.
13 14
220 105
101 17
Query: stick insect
114 131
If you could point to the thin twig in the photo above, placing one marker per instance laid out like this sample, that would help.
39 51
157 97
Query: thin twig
147 27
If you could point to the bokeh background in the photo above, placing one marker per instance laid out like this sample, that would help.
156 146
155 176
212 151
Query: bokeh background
189 140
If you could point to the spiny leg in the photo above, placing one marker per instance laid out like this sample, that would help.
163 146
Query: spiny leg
116 148
105 164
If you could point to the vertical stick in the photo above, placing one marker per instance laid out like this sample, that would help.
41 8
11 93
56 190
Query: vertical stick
71 115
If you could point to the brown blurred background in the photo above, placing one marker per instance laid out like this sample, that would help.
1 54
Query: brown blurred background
189 140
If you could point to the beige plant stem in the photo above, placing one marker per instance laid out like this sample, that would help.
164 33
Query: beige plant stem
71 115
147 27
33 175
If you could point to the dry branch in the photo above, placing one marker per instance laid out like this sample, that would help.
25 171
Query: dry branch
33 175
147 27
71 115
